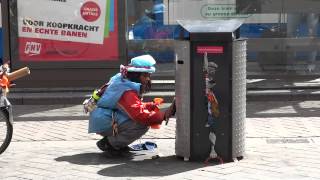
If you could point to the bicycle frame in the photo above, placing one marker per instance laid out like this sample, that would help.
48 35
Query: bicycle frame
6 106
6 113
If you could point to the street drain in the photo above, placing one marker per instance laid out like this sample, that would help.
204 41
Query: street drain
287 141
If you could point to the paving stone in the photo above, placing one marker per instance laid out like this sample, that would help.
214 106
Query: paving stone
51 142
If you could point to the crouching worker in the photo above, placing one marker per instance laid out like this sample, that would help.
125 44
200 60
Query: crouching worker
120 116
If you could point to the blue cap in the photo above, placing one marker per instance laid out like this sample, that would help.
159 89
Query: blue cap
144 63
158 8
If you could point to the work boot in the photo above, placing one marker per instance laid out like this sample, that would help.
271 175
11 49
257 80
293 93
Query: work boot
102 144
105 146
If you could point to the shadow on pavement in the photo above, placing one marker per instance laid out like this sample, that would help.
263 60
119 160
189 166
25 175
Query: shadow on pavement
133 165
92 159
265 109
163 166
48 113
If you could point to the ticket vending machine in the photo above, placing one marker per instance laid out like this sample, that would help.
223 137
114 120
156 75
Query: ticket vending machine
211 91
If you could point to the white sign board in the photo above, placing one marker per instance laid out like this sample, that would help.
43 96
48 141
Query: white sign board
210 10
64 20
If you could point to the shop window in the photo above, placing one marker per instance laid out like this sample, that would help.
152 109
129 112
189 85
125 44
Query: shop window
146 21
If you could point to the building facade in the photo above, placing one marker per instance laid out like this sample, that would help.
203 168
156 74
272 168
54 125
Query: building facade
87 41
282 35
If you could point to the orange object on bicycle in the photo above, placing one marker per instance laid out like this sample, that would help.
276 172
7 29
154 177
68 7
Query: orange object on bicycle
5 83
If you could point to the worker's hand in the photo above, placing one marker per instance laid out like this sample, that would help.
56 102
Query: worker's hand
171 111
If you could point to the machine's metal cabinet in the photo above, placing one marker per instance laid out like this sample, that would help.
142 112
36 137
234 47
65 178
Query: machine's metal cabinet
218 41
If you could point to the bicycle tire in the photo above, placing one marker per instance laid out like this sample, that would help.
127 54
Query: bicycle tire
5 118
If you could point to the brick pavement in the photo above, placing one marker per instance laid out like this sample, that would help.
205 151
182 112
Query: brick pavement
51 142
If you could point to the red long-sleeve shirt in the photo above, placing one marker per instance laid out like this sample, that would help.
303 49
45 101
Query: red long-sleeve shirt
145 113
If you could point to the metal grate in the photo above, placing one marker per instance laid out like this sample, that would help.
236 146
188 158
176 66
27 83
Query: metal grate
238 98
288 141
183 131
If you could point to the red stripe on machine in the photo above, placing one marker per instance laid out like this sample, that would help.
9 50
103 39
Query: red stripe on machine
210 49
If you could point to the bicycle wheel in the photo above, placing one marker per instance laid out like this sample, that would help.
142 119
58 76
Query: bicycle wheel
5 131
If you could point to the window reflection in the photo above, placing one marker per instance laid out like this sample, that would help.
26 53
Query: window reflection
149 22
283 35
148 33
300 25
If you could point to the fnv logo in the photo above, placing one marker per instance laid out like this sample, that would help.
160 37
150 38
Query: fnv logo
32 48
